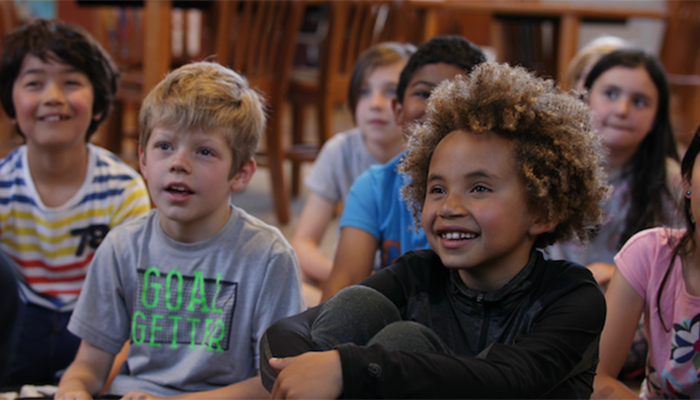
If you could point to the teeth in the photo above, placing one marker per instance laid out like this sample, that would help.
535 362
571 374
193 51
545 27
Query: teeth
457 235
178 189
53 118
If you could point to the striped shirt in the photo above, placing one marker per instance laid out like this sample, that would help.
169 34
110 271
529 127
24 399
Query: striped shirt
53 246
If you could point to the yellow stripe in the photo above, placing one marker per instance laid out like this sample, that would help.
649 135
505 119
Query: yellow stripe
25 215
33 232
136 195
37 248
136 211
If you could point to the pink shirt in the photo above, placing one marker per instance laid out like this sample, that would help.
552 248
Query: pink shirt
673 365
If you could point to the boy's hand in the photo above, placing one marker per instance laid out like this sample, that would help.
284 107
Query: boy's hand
313 375
140 396
73 395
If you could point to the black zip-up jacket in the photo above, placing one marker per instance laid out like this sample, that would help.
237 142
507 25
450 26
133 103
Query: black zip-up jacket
537 337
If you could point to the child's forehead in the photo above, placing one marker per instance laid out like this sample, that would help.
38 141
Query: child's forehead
47 59
173 131
476 150
434 73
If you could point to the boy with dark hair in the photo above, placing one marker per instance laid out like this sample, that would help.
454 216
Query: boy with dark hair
504 165
374 215
59 194
195 283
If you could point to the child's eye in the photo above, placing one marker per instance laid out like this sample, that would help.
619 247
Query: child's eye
391 92
163 146
73 83
422 94
640 102
32 84
364 92
611 94
480 189
206 152
436 190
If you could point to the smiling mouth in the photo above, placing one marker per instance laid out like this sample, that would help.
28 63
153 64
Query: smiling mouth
457 235
52 118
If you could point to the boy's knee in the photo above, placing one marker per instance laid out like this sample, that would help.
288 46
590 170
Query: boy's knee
409 336
364 309
362 299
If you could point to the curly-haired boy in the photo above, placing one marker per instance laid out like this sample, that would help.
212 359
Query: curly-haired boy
504 165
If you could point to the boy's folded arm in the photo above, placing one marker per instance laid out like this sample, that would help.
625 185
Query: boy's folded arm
313 223
86 374
353 260
562 340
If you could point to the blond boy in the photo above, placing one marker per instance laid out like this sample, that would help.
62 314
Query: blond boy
194 284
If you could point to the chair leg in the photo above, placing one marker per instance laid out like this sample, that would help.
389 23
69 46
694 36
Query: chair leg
298 130
280 195
325 121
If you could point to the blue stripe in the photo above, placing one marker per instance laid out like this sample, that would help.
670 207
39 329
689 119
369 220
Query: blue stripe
7 184
107 178
18 199
101 195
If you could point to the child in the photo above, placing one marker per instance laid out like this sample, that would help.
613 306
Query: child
375 216
59 194
503 165
657 273
376 140
195 283
629 99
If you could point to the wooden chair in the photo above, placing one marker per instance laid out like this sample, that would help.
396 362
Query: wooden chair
353 26
680 56
9 20
258 39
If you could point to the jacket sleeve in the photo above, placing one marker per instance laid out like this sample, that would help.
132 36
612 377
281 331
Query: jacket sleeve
561 344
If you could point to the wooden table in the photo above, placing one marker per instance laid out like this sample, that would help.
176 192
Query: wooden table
569 17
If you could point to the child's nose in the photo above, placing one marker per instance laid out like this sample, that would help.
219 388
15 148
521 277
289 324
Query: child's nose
452 206
378 99
53 94
180 162
622 107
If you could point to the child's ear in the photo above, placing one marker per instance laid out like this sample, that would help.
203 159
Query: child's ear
687 188
97 116
542 225
244 175
398 111
142 162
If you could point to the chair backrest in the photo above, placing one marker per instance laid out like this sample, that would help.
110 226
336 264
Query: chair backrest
680 56
354 26
9 20
679 51
257 39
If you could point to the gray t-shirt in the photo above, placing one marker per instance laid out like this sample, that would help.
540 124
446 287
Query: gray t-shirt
193 312
342 159
606 243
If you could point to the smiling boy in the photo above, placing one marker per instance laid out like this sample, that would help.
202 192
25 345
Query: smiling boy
194 284
59 194
374 215
503 165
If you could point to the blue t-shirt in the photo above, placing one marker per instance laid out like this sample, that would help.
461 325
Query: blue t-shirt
376 206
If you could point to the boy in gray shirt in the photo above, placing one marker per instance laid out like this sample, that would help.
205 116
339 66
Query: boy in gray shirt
194 284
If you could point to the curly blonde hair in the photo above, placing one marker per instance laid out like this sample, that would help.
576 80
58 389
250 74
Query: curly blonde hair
556 150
